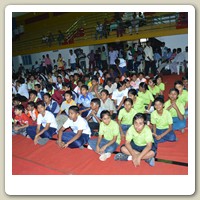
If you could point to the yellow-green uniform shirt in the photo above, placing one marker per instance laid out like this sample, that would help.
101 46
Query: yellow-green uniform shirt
140 139
183 98
161 86
172 110
155 90
110 130
147 97
139 105
161 121
126 117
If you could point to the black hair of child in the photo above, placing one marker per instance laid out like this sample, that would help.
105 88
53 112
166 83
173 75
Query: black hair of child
174 89
178 83
49 87
141 73
128 100
132 91
143 85
105 91
154 80
19 107
59 76
74 108
33 92
31 103
84 86
140 116
105 112
47 94
68 85
16 99
125 81
95 78
96 101
37 85
40 103
133 74
159 99
120 84
68 92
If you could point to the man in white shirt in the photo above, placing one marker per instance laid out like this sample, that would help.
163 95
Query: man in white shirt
149 60
112 57
72 59
129 59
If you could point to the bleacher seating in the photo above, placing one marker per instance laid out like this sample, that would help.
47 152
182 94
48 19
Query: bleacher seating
80 28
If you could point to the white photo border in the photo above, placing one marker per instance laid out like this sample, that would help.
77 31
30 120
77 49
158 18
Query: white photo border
99 184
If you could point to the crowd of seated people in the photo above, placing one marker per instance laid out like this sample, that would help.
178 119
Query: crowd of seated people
101 105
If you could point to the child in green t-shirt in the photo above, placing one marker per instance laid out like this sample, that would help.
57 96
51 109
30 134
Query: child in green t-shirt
138 103
176 109
153 88
147 97
162 123
183 95
139 143
125 117
108 139
161 85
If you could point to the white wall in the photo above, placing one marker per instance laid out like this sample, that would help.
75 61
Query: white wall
175 41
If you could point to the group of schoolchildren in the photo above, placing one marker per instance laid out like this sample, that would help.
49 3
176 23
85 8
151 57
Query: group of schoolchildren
101 113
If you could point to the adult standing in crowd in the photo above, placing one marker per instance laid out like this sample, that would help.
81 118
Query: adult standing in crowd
72 59
48 64
149 60
81 60
113 55
43 65
104 58
60 62
91 60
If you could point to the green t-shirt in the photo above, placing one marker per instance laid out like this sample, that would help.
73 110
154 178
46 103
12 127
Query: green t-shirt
155 90
183 98
103 55
161 86
172 110
126 117
140 139
139 106
110 130
147 97
161 121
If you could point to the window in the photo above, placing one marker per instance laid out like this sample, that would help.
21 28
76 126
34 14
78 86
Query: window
26 59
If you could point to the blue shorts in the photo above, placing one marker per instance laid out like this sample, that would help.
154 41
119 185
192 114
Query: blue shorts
141 148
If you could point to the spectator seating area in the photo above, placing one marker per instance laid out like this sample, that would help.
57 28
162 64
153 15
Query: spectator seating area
80 30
